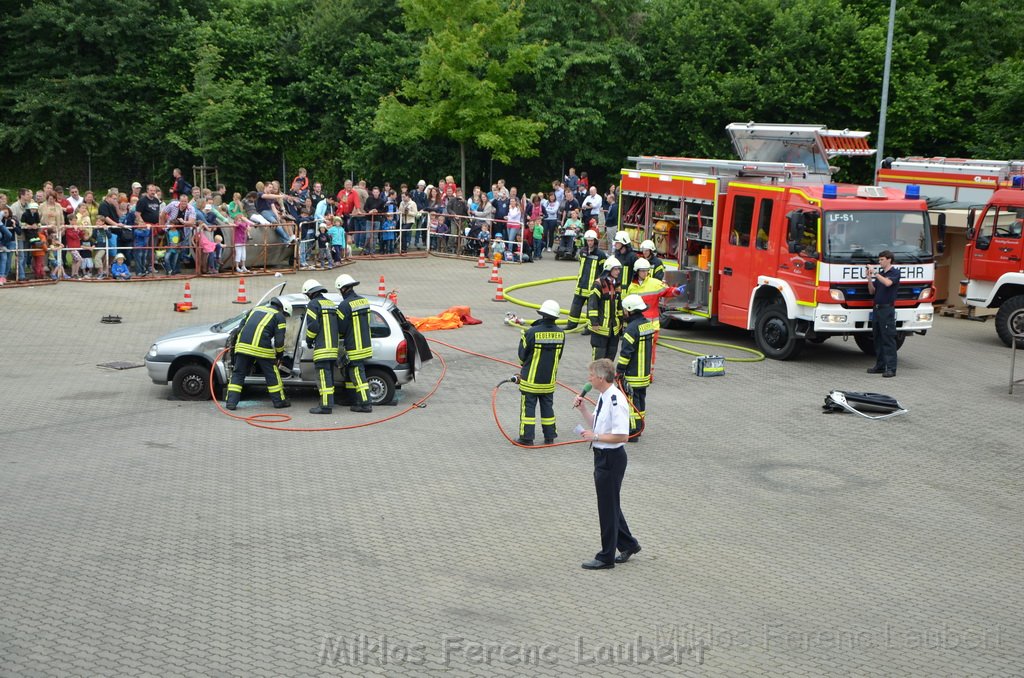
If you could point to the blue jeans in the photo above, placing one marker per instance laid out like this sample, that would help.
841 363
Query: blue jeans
172 261
5 261
23 259
141 257
282 234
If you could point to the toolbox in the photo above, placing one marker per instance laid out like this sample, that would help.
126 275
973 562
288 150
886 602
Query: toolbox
709 366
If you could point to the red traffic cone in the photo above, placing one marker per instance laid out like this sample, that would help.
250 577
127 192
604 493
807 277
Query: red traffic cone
482 261
187 300
381 290
495 278
241 299
499 294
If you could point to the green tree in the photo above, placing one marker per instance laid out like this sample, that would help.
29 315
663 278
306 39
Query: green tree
463 86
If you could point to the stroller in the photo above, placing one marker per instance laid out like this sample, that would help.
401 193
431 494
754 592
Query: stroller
567 243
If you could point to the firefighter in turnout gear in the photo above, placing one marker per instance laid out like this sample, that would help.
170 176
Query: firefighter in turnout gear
604 312
623 251
354 333
322 336
651 290
634 365
261 341
591 263
539 352
648 252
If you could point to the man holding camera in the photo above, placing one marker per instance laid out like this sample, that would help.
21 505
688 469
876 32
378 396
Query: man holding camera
883 284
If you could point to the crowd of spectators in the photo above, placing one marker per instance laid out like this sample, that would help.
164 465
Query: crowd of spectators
50 233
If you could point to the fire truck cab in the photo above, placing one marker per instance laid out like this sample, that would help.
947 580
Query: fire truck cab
769 244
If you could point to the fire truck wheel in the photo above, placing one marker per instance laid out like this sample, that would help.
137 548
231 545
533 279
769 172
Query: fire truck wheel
1010 320
775 335
866 343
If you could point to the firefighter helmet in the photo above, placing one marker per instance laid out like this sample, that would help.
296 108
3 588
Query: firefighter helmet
311 287
633 303
550 308
622 238
282 304
641 265
590 235
612 262
345 280
647 245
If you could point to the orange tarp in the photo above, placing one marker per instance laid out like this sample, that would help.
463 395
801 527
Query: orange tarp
452 319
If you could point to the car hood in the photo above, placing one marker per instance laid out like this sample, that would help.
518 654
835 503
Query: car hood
198 332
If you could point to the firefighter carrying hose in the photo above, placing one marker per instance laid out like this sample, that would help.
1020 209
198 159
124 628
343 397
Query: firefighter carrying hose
539 352
261 340
354 333
322 337
604 312
634 365
648 252
591 262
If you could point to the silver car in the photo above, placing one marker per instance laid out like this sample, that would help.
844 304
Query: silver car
184 356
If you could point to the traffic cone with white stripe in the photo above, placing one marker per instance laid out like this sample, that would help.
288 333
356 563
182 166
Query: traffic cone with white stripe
241 298
482 261
495 278
187 300
499 294
382 291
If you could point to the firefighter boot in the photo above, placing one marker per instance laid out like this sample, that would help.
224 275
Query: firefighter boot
281 404
320 409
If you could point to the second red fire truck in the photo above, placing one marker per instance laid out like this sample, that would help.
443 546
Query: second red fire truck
769 243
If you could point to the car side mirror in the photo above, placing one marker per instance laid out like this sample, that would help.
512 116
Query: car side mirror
983 242
971 215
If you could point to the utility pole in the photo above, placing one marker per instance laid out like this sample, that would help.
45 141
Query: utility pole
885 88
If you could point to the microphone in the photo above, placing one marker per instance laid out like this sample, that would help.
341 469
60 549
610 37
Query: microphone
586 389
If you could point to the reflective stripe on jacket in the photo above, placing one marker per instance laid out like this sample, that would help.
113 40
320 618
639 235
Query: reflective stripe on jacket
603 309
354 326
540 349
635 353
591 264
322 322
262 335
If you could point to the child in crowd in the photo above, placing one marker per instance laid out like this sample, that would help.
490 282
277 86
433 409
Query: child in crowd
140 252
337 242
213 259
86 252
209 248
538 239
242 226
497 245
323 247
56 258
119 269
389 228
39 247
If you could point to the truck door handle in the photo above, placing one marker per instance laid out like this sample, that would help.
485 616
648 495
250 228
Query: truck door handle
1005 249
727 271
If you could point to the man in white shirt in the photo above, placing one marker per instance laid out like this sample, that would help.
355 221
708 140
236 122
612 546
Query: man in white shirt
608 429
592 206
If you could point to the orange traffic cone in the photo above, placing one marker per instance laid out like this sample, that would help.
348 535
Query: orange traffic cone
187 300
242 299
495 278
482 261
381 290
499 294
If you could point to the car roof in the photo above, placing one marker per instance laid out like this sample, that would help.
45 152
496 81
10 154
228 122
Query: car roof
299 299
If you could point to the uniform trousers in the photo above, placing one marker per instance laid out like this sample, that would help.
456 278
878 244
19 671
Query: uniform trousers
325 381
609 468
356 384
605 346
243 363
528 411
638 411
883 330
575 311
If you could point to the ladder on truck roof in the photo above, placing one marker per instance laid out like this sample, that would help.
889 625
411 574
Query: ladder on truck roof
1004 169
719 168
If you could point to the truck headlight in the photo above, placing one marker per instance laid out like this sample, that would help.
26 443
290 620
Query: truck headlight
926 293
836 294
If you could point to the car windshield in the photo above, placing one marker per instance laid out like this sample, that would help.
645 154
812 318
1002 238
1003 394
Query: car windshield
859 235
229 324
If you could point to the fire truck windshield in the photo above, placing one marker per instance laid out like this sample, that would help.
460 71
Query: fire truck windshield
859 235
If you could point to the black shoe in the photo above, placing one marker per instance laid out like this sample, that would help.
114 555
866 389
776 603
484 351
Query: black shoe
230 406
875 370
362 408
888 373
550 441
281 404
626 555
525 441
596 564
320 409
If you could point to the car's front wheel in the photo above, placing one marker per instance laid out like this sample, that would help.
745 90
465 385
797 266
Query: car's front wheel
192 382
382 386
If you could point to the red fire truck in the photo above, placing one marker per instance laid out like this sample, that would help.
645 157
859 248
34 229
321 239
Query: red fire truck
768 243
993 268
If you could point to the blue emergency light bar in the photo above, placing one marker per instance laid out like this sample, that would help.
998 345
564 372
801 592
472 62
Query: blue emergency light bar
1018 181
829 191
913 192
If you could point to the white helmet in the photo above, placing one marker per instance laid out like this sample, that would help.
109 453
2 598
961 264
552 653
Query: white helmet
647 245
641 265
311 287
283 304
345 280
550 308
633 303
590 235
612 262
622 238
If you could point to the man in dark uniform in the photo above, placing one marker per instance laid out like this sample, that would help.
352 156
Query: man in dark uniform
539 352
634 365
591 263
354 334
623 251
884 283
261 340
648 252
607 429
322 337
604 312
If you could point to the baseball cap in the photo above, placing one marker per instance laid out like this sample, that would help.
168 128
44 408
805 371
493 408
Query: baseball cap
136 184
421 183
33 206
